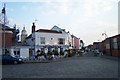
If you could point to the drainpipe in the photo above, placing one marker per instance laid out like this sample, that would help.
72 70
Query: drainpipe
110 47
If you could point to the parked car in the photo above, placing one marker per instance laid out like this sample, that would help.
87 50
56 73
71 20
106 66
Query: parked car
8 59
96 52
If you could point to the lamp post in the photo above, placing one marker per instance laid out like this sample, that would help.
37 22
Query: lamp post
4 12
104 34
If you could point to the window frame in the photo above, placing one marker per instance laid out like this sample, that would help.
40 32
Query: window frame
61 41
42 40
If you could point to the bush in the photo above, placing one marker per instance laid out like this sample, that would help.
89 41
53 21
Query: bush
55 52
50 53
41 54
71 52
61 52
38 54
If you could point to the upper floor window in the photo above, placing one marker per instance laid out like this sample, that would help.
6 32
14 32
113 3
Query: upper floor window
42 40
61 41
107 46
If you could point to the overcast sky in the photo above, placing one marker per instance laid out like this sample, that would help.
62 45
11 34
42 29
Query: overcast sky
86 19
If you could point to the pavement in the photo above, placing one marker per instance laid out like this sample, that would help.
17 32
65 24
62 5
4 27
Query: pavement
110 57
85 54
49 61
91 54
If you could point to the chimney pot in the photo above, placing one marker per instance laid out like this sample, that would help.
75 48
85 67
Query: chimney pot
33 27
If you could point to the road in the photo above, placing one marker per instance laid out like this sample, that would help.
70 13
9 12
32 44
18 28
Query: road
86 66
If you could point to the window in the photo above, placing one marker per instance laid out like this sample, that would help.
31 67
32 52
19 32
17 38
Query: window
118 45
107 46
17 52
115 40
42 40
61 41
115 45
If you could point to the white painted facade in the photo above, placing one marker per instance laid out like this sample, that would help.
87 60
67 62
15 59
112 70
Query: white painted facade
69 38
51 40
23 51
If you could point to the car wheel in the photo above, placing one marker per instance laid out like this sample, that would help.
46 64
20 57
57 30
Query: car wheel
15 62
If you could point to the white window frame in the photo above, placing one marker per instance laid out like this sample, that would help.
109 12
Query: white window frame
42 40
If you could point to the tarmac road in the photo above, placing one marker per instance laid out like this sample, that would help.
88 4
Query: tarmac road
87 66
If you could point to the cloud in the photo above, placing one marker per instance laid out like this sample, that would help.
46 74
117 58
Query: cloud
90 10
12 22
81 16
54 7
64 7
107 6
91 7
96 7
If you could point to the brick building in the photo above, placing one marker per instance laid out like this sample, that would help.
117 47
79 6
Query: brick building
110 46
7 38
75 42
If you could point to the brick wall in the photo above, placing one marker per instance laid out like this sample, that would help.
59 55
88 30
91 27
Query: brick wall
8 39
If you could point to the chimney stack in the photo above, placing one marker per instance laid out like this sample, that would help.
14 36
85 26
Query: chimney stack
33 27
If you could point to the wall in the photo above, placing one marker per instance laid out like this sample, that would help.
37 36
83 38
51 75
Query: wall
76 43
48 37
31 41
110 46
115 50
24 52
8 38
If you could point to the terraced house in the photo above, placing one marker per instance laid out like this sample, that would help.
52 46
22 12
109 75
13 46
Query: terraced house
39 40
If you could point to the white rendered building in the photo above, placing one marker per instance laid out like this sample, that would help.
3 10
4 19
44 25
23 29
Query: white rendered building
47 40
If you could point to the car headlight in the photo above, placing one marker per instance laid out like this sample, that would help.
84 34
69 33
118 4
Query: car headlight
20 59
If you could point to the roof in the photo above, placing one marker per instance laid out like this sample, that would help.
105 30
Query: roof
56 28
74 36
29 36
48 31
96 42
45 31
21 44
6 28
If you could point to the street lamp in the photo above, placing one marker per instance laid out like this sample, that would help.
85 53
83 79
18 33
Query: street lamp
104 34
34 38
4 12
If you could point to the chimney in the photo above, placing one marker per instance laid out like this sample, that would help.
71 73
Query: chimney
33 27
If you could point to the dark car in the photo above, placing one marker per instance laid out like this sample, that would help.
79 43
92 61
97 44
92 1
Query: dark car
8 59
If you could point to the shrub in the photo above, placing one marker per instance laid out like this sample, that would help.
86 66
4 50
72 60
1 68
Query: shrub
41 54
61 52
55 52
50 53
38 54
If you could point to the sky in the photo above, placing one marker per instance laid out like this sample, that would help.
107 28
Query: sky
86 19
